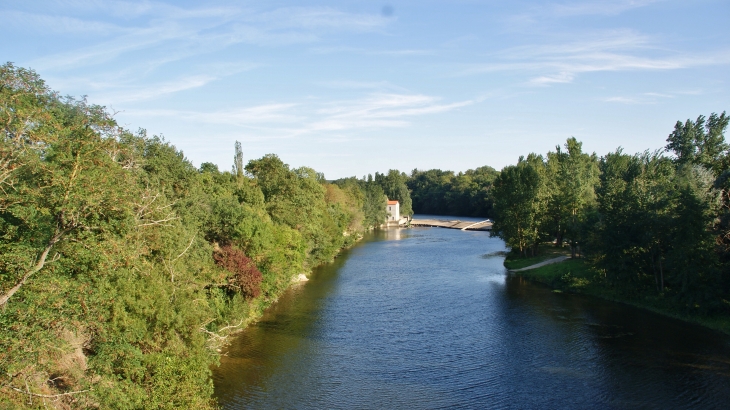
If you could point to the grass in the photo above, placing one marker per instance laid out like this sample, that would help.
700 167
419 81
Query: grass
578 276
569 275
545 251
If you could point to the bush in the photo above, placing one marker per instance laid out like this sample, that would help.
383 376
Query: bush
245 276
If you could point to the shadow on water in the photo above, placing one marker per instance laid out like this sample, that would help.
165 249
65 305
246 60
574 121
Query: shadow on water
428 318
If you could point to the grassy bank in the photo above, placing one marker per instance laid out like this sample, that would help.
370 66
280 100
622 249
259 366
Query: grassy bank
545 252
578 276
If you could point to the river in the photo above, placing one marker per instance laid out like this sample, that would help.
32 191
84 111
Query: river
429 318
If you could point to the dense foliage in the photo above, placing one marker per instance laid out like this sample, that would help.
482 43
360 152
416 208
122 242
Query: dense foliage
650 223
439 192
123 267
376 193
432 192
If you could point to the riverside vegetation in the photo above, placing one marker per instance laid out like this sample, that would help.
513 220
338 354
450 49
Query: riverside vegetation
653 229
123 268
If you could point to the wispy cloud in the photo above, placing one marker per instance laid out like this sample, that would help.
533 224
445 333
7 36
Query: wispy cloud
110 49
58 24
320 17
382 86
601 7
563 77
170 29
147 36
287 120
643 98
124 85
137 93
242 116
141 9
380 110
618 50
533 16
365 51
659 95
623 100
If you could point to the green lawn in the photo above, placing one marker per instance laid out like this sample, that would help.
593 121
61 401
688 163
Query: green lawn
571 274
545 251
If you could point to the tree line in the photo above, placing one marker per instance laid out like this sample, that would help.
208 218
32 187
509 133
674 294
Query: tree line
433 192
123 267
438 192
650 223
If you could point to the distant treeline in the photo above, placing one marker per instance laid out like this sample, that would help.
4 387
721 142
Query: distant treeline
376 192
434 192
649 223
439 192
123 267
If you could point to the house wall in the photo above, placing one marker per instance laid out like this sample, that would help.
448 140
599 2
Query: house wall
394 212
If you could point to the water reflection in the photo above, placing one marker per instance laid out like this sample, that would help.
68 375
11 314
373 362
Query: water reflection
394 234
428 317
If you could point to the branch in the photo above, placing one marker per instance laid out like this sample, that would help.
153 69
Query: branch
141 211
49 396
186 249
231 326
38 266
159 222
216 335
172 272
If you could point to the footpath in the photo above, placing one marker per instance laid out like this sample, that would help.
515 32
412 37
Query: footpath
543 263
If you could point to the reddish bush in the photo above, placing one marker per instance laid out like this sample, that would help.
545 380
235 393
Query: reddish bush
245 277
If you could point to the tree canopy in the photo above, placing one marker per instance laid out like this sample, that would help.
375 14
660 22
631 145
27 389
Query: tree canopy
123 267
648 222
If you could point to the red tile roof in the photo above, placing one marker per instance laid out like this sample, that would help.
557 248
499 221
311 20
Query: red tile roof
392 202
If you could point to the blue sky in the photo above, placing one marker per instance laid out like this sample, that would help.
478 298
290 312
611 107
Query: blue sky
350 88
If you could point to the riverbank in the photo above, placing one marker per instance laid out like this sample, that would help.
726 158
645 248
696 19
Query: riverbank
219 341
425 318
578 276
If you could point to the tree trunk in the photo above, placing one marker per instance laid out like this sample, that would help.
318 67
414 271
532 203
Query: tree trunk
661 274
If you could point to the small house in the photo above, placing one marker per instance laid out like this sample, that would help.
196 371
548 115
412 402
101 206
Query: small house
393 212
394 218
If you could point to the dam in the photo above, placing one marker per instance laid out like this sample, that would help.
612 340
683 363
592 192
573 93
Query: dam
485 225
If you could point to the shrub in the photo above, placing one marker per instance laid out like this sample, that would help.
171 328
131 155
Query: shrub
245 277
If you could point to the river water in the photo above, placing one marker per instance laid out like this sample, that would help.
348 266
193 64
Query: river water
429 318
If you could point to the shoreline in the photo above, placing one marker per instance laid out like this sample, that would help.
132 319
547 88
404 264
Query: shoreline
219 343
559 277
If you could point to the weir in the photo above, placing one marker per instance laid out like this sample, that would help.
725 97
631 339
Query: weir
456 224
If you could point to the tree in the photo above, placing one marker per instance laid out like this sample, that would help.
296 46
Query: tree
635 206
700 142
429 190
374 205
516 206
572 179
395 188
69 187
238 161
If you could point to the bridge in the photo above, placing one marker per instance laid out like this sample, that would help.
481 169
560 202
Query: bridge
456 224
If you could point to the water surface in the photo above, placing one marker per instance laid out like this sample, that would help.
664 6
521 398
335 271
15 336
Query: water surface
428 318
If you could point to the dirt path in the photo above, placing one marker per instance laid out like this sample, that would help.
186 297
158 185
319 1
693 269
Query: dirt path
543 263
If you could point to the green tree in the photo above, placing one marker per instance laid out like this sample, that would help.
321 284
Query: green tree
395 188
700 142
445 193
572 179
66 189
516 206
374 205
